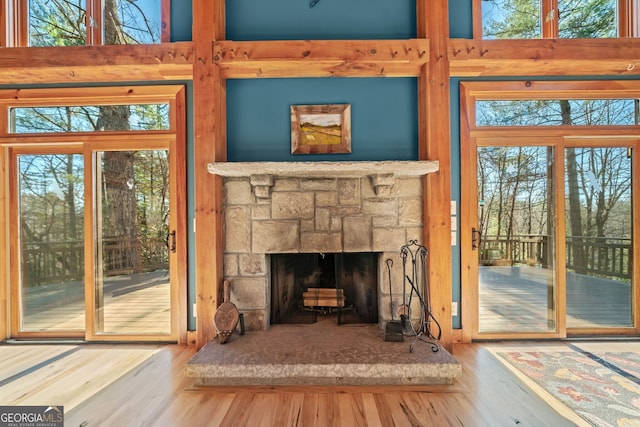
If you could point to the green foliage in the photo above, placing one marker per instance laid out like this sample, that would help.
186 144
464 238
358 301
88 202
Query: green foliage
590 112
587 19
511 19
63 22
522 19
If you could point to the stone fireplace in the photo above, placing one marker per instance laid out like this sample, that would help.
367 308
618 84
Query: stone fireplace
315 210
317 233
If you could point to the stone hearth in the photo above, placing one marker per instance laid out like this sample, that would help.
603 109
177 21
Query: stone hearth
322 353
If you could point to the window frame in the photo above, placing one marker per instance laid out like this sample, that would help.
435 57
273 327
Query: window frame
14 23
628 21
87 143
97 96
560 137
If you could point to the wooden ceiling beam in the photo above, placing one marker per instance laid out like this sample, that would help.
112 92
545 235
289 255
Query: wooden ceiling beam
83 64
321 58
540 57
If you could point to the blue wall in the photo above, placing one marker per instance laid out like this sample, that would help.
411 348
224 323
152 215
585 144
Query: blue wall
328 19
383 117
384 111
460 19
181 18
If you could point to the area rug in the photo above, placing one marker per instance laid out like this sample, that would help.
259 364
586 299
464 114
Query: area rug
601 388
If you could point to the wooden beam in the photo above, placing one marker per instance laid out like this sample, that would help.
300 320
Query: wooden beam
321 58
83 64
108 95
4 238
209 146
434 133
557 57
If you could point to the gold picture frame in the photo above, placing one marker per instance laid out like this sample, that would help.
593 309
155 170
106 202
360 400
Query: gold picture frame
321 129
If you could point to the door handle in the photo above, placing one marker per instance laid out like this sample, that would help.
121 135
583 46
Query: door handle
173 241
476 238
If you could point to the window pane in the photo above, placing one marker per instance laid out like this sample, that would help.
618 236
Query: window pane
593 112
57 22
51 208
516 273
132 22
511 19
139 117
599 236
132 288
587 19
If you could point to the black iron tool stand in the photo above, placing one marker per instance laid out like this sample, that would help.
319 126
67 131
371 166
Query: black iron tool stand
414 264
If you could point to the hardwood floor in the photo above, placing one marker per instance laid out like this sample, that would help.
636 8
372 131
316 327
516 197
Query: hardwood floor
144 385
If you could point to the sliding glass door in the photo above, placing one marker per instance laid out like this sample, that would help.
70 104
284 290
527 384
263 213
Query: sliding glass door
514 240
49 251
599 237
551 238
133 242
95 242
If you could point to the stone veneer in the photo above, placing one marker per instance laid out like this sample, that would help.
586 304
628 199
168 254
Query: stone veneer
267 214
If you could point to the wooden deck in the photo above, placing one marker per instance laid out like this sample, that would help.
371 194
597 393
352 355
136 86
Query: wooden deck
512 299
132 304
516 299
145 385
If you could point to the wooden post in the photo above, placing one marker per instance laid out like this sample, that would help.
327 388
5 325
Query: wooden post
435 134
209 146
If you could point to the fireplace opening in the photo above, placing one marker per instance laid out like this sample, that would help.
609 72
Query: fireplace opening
342 285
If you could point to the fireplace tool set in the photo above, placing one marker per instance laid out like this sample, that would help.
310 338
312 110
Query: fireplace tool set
415 286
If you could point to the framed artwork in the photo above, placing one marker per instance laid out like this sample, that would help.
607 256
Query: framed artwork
321 129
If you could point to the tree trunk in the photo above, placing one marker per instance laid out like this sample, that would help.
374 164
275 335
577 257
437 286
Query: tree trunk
575 214
119 207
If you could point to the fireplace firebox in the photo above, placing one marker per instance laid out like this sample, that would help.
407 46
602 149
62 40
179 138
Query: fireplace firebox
341 285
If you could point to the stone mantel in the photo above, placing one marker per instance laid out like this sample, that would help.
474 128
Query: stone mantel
325 169
382 173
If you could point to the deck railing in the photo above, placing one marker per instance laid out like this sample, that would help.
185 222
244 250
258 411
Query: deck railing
601 256
56 262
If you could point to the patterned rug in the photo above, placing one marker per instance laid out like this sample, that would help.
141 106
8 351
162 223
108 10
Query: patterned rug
602 388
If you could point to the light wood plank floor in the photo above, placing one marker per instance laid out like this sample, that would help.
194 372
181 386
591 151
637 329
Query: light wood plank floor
144 385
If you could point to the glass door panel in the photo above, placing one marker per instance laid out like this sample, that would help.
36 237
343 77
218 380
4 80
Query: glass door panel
50 206
515 240
599 235
133 243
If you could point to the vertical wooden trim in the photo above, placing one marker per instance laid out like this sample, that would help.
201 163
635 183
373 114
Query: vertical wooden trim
4 119
476 15
560 255
635 278
5 242
179 192
14 261
4 5
631 12
210 145
94 14
468 220
89 240
434 144
549 18
625 21
19 31
165 21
